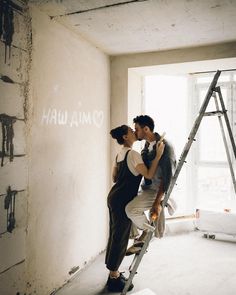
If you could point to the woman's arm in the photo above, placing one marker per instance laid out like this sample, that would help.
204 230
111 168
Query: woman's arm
114 174
149 173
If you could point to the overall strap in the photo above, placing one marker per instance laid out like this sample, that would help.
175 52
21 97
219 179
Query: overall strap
126 155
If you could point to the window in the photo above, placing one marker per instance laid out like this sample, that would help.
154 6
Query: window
174 101
166 102
214 189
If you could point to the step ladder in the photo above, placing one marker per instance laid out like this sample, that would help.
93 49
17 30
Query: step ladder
215 93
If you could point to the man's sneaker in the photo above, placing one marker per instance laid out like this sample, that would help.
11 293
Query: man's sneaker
122 276
117 284
135 248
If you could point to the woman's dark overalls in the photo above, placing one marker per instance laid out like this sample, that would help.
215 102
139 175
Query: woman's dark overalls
123 191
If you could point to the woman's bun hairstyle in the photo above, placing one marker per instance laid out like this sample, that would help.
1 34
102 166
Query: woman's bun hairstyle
118 133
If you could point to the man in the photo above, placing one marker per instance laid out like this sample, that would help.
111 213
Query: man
152 191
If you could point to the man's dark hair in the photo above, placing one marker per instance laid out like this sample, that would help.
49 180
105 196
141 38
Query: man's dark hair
144 120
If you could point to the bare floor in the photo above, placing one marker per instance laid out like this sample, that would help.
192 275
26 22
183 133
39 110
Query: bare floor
185 264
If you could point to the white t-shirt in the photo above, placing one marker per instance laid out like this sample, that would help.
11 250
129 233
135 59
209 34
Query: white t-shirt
151 144
133 159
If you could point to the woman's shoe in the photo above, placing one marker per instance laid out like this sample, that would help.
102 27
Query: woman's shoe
117 284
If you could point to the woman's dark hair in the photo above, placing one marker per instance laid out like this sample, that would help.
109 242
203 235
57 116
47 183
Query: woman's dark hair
118 133
144 120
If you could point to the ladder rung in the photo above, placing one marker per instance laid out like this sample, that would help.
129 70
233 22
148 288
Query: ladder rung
215 113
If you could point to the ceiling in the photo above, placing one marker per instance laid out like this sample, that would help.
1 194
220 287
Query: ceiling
133 26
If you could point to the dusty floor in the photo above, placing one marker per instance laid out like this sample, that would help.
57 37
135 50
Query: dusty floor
185 264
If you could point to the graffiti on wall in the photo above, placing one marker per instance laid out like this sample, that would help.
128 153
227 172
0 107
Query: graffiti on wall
53 116
7 8
10 206
7 137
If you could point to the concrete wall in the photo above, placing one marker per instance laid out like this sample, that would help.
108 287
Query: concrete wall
69 154
13 102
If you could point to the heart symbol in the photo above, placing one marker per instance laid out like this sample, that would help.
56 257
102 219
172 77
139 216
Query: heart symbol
98 118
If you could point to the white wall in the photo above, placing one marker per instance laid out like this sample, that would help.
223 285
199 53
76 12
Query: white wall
135 95
69 154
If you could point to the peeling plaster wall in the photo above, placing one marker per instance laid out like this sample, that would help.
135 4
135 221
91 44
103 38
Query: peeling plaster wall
13 102
69 154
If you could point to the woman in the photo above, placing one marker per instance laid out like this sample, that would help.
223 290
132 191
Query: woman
127 173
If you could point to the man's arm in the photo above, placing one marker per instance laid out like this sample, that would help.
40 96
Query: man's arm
149 173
